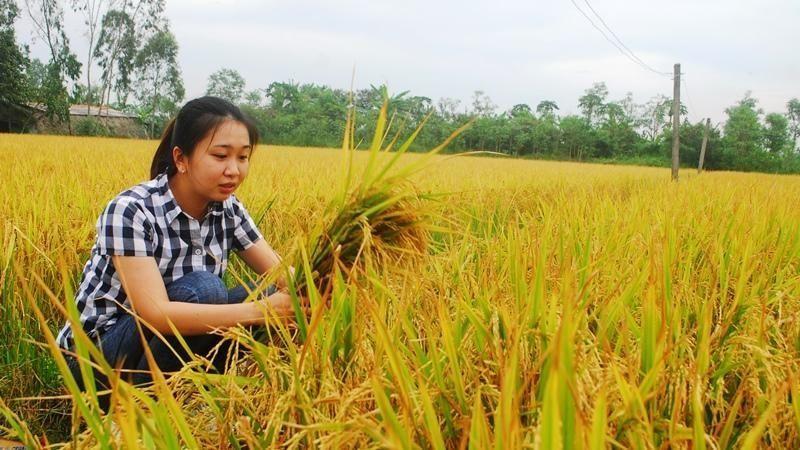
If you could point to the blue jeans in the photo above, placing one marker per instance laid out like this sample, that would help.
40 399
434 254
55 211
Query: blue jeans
122 346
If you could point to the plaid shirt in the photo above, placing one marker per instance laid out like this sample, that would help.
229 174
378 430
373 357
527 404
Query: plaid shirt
147 221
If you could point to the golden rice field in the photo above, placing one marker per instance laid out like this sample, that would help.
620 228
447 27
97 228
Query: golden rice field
557 305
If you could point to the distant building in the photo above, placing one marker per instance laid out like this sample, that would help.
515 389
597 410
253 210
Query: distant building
84 120
15 118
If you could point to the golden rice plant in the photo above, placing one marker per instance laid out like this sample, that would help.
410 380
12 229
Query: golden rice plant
574 305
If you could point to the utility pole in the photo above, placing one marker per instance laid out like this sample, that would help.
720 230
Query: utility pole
676 120
703 147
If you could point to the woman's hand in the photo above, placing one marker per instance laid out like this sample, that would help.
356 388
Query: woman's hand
281 303
281 282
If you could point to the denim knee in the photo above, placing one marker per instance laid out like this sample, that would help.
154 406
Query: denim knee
198 287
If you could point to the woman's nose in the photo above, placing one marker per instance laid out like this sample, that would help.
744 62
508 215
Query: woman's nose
232 168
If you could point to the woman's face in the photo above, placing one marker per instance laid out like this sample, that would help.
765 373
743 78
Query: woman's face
220 161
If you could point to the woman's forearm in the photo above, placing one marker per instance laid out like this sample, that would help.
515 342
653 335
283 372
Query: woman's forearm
192 318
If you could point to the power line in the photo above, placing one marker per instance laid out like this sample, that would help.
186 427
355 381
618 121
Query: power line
636 60
622 43
683 75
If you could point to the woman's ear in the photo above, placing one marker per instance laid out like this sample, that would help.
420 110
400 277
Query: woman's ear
179 159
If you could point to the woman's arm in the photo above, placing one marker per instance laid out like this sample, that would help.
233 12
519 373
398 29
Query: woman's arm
262 259
148 296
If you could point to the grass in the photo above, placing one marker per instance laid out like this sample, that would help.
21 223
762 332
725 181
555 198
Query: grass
554 304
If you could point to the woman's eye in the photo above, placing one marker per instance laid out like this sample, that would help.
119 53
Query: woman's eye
220 156
244 158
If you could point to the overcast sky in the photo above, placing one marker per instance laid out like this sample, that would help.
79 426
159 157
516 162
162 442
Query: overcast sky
514 51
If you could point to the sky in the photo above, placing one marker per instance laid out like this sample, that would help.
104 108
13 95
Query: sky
514 51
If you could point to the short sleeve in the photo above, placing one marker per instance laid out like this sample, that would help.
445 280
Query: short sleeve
124 229
245 233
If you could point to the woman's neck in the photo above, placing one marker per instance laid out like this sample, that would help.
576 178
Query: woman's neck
186 199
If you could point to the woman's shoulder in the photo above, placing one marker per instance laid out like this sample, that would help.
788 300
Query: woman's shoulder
143 196
127 225
144 190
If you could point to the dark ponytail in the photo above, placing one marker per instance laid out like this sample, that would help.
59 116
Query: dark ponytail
162 161
195 121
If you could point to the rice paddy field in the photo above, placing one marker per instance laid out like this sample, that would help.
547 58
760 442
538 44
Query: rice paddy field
554 305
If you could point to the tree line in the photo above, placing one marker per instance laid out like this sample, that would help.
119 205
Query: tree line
128 40
290 113
131 43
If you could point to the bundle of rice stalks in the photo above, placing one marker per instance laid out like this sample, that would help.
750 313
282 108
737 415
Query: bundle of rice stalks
379 215
388 223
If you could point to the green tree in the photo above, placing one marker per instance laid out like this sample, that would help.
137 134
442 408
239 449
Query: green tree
254 98
115 52
283 97
93 12
776 134
322 114
283 102
413 109
654 116
13 60
159 86
577 137
521 127
793 114
304 115
521 110
743 143
629 107
227 84
125 24
546 108
83 94
616 134
592 102
448 108
47 17
743 132
482 105
546 136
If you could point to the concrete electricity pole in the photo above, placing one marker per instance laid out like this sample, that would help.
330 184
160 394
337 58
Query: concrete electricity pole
703 147
676 120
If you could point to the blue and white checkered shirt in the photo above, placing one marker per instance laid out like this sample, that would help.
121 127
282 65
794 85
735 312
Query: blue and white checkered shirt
147 221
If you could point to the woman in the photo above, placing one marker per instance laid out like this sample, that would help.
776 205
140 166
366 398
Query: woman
162 247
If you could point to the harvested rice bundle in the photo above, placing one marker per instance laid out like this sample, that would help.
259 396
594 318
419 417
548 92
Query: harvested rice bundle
385 221
382 213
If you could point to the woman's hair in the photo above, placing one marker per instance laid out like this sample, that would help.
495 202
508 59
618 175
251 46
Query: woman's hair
195 121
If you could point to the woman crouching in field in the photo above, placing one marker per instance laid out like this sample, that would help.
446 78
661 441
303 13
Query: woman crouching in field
163 245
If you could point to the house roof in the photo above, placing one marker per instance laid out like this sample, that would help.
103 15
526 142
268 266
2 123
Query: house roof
104 111
83 109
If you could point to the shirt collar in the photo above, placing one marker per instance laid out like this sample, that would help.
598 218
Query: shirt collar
217 208
172 210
